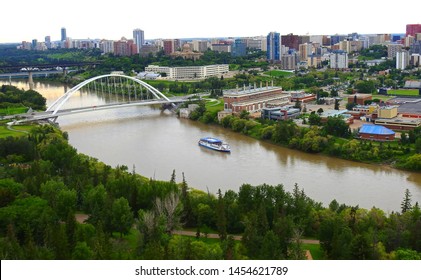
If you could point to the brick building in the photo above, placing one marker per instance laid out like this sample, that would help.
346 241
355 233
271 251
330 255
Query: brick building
359 98
125 48
254 99
291 41
302 97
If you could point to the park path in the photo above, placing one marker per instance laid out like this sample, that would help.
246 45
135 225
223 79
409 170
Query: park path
236 237
81 218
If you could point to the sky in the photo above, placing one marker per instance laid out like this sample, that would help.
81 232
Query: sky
25 20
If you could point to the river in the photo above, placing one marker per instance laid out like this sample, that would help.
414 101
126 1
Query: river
154 144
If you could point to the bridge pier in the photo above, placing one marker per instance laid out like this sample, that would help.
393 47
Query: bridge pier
30 80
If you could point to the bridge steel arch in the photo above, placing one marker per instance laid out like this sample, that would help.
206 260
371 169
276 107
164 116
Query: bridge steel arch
63 99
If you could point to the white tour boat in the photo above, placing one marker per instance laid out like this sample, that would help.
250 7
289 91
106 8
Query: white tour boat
214 144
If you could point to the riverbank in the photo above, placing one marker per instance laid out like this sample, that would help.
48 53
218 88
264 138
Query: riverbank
154 144
316 139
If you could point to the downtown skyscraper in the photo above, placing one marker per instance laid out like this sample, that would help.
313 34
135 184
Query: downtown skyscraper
138 38
273 42
63 34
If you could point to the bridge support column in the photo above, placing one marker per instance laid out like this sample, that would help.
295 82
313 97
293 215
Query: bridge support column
64 71
30 80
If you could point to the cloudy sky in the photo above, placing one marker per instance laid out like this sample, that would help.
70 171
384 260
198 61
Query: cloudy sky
25 20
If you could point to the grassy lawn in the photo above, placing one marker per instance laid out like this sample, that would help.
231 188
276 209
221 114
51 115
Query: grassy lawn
4 132
13 111
382 97
408 92
315 250
215 105
278 73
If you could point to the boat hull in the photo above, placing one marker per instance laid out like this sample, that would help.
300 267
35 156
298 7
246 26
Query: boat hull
220 148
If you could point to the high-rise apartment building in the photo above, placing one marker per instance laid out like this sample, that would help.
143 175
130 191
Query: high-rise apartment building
125 48
171 45
305 50
106 46
416 47
402 59
239 48
257 43
289 61
408 40
138 38
392 49
63 34
200 46
48 42
339 60
335 39
291 41
222 47
273 43
34 44
413 29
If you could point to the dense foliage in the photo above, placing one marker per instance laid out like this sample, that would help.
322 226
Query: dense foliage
44 182
10 56
373 52
11 96
332 137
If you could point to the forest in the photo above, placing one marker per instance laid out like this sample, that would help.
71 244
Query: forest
45 184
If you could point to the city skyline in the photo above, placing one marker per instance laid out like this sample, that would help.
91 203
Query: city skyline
198 19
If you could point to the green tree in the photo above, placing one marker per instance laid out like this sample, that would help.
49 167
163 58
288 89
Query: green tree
121 216
66 203
336 126
244 115
365 86
82 252
284 131
187 212
314 119
406 203
95 203
221 219
270 249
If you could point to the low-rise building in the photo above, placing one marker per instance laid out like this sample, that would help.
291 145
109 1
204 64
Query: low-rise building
223 114
387 112
399 123
376 133
301 96
185 112
280 113
189 72
348 118
253 99
148 76
359 98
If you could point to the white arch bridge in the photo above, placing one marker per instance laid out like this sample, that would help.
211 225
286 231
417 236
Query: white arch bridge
119 91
